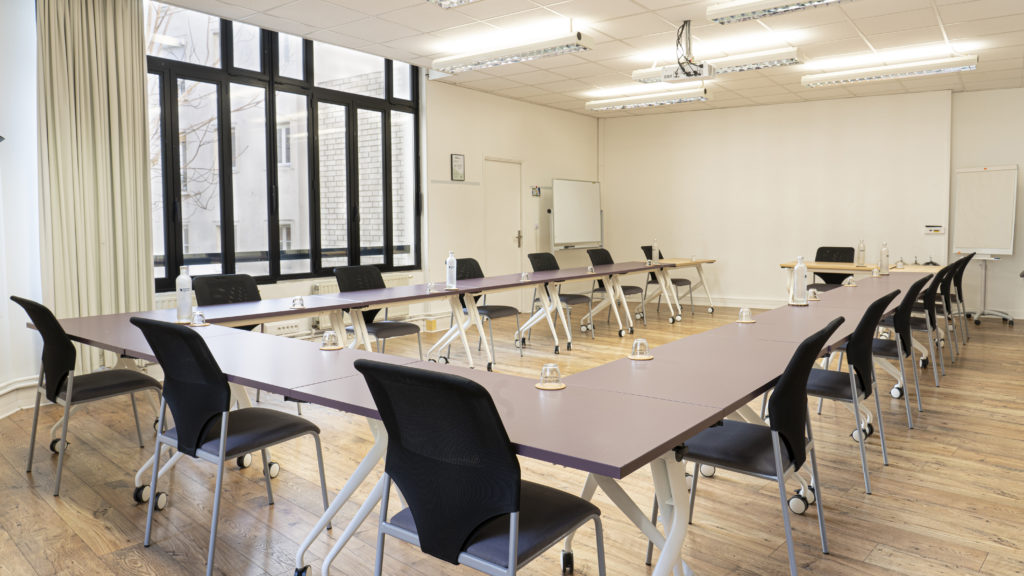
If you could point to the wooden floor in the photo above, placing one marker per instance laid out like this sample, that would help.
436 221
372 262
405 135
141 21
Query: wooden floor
951 502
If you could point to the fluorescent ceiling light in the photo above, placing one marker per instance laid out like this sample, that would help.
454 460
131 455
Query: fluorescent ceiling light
908 70
512 54
649 100
635 89
450 3
757 60
740 10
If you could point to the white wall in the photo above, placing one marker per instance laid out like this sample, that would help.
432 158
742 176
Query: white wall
757 186
988 130
19 214
548 143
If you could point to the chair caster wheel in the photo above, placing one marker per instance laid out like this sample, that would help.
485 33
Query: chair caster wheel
896 392
630 329
522 343
583 328
304 571
556 349
1010 323
161 501
442 360
711 309
924 363
622 333
156 422
54 445
568 345
977 322
490 366
671 319
141 494
679 317
274 468
639 315
244 461
808 494
798 504
707 470
866 432
566 563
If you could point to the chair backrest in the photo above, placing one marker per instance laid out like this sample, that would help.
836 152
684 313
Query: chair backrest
648 255
600 257
901 317
59 353
787 406
225 289
543 261
355 278
958 277
945 285
467 269
447 451
195 388
834 254
858 349
929 295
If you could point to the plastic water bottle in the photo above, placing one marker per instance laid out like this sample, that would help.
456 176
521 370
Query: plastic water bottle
449 263
883 260
799 290
860 253
654 251
183 288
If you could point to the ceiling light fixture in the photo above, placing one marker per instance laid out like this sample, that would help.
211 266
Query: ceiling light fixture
670 73
892 72
450 3
740 10
757 60
649 100
512 55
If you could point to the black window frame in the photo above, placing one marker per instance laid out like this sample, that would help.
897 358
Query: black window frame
169 71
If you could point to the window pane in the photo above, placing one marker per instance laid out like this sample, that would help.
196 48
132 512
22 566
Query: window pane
289 56
342 69
180 34
246 41
293 181
156 176
371 188
401 74
249 179
333 187
403 188
200 176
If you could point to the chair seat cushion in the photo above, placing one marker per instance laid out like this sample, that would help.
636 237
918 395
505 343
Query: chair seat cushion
821 287
251 429
545 514
738 446
387 329
493 311
628 290
108 383
829 384
885 348
574 299
681 282
917 323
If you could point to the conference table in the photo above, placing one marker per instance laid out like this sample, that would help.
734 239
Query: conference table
695 263
827 267
609 422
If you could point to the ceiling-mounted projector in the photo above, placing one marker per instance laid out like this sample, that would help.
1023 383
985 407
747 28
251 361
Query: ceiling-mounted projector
675 73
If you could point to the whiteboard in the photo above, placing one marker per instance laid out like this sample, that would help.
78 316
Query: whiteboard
576 213
985 204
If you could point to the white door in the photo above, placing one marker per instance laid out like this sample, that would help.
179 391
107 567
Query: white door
503 236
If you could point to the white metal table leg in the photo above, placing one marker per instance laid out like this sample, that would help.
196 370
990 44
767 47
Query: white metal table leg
704 285
474 317
359 328
622 301
545 300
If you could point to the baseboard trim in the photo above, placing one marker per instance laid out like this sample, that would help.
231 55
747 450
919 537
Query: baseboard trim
16 394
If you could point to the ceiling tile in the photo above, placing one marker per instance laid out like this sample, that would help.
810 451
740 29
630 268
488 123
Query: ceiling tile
316 13
376 6
644 24
596 10
375 30
536 77
426 17
897 22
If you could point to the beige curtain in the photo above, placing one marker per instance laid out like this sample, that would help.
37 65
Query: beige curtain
93 158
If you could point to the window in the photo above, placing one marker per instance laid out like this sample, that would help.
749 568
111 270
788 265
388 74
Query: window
284 149
280 163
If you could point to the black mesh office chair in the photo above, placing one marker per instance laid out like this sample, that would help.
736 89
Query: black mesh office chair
469 269
353 278
945 306
771 452
926 320
831 254
450 456
677 283
958 284
858 383
197 393
544 261
59 383
601 257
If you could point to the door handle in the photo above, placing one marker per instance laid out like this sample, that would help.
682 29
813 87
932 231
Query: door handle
519 238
